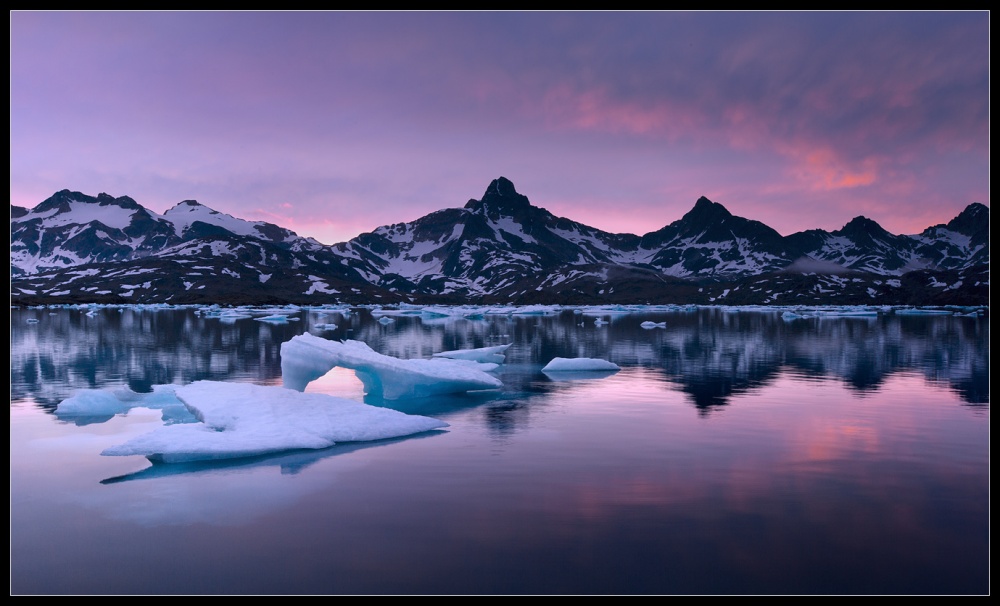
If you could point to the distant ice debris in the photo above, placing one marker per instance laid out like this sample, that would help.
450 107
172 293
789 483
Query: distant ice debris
275 319
648 324
242 420
327 326
846 313
922 311
385 320
579 365
307 357
494 355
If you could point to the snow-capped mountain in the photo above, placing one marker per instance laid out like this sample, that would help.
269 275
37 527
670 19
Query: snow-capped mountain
500 248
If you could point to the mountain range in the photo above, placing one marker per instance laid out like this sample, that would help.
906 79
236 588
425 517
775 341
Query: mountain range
500 249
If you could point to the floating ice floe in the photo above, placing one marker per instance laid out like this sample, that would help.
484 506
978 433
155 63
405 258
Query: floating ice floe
327 326
307 357
98 405
791 315
579 365
649 324
275 319
919 311
493 355
846 313
243 420
385 320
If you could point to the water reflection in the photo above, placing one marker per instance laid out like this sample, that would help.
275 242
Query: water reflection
711 353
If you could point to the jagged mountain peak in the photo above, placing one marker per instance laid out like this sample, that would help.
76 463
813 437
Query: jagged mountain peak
972 219
59 202
500 196
187 205
706 211
863 226
104 199
64 201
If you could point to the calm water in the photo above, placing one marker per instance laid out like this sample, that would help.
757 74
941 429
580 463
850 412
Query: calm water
734 453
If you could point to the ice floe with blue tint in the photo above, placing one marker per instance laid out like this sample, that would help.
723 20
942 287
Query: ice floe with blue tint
579 365
306 357
649 324
275 319
243 420
98 405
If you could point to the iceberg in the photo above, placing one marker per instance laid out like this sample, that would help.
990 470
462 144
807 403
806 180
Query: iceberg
579 365
307 357
243 420
648 324
490 355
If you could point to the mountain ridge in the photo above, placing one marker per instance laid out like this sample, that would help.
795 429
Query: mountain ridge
499 248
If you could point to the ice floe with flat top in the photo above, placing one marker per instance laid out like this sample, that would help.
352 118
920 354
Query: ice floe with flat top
649 324
307 357
491 355
243 420
580 365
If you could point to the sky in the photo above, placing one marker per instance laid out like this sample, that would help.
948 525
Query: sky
334 123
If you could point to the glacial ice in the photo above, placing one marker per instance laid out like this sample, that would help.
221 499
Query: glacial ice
99 405
648 324
493 355
307 357
243 419
579 365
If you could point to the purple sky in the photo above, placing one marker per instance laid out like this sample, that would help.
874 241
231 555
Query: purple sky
332 124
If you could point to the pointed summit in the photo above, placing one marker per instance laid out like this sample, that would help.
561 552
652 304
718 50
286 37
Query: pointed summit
706 212
501 197
973 219
862 228
187 206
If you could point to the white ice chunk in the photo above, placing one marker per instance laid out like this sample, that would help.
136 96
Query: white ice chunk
243 419
307 357
579 365
92 402
791 315
493 355
649 324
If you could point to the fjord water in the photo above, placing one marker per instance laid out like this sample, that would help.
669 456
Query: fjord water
734 452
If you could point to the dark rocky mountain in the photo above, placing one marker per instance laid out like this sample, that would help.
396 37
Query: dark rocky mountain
499 249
